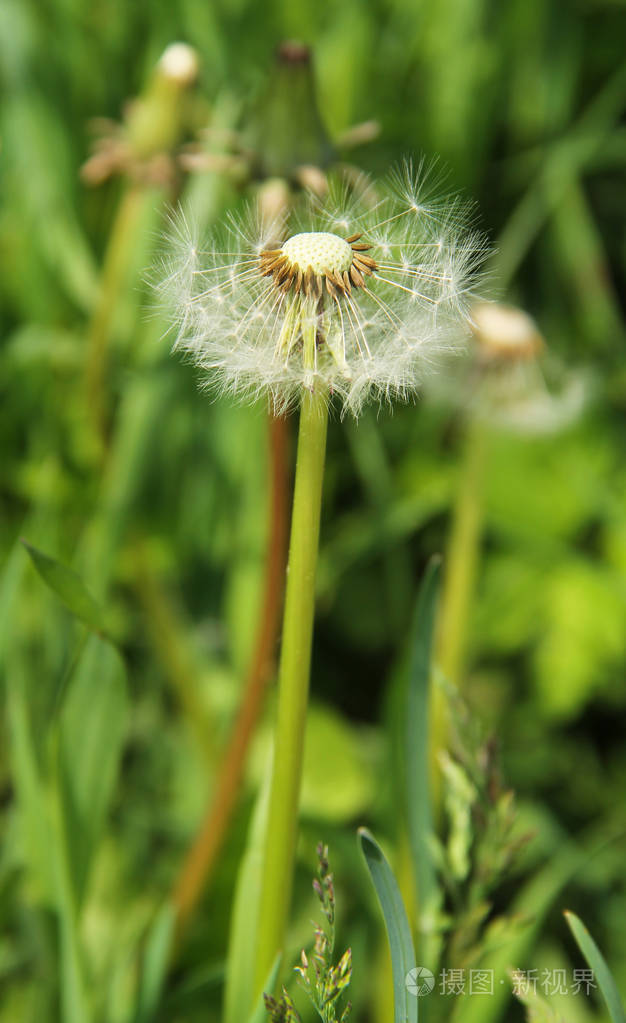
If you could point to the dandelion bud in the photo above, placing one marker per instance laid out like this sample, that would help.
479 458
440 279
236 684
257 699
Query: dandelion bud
155 122
179 63
289 99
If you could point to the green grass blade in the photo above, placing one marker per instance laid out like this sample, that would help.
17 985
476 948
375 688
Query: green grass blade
10 582
69 587
240 996
597 963
419 810
92 724
397 924
259 1013
86 750
29 782
74 984
155 964
43 827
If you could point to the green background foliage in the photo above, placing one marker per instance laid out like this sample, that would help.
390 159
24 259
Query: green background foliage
107 761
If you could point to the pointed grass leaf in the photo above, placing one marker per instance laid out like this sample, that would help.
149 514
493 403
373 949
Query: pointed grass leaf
397 925
597 963
155 964
69 587
91 732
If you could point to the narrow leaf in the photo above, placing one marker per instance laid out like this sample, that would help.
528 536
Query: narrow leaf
75 989
419 811
397 925
69 587
10 582
155 964
240 998
597 963
91 734
28 781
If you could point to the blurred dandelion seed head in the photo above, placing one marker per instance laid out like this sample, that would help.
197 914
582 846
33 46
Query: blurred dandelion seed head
505 332
342 294
509 377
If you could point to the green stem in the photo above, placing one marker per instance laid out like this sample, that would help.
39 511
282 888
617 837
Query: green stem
293 685
462 555
460 566
123 238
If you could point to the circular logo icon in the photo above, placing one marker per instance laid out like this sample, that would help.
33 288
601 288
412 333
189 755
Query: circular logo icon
419 981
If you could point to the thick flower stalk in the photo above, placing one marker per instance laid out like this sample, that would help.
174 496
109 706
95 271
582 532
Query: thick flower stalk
356 294
351 297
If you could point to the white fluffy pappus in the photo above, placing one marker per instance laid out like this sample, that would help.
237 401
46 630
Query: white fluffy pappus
356 294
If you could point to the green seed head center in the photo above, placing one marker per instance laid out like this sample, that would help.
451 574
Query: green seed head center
319 250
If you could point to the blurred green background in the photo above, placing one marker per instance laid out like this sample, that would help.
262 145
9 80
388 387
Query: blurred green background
105 772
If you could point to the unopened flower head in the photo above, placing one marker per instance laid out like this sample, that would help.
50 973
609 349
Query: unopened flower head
179 62
353 297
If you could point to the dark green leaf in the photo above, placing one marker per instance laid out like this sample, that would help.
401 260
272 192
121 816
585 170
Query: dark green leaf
597 963
397 924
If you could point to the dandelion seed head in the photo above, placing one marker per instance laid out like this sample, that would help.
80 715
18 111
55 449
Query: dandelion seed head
357 293
505 332
509 378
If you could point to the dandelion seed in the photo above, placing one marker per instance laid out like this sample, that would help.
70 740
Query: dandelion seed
354 298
